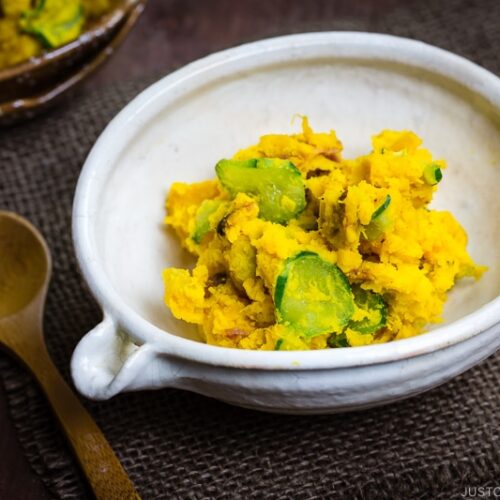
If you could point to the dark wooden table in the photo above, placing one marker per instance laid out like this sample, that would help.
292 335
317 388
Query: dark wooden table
171 33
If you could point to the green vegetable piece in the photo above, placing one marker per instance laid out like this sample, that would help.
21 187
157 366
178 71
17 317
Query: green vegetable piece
380 221
376 308
382 208
276 183
338 340
278 345
202 219
241 259
54 22
313 296
432 174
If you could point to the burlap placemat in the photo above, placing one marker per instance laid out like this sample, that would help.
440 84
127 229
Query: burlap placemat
180 445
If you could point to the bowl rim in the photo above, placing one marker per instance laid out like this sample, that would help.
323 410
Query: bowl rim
130 120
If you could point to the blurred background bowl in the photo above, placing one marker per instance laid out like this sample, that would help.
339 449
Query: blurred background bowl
34 85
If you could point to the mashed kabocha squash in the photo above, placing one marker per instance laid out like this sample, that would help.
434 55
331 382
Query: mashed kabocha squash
298 248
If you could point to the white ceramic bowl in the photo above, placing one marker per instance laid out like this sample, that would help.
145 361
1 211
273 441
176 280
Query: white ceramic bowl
177 129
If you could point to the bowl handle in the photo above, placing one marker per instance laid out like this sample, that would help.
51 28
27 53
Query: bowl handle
106 361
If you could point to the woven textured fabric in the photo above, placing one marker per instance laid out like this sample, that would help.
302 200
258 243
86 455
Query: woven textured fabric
176 444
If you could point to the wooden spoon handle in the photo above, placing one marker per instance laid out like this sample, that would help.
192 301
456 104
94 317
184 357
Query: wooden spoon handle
104 472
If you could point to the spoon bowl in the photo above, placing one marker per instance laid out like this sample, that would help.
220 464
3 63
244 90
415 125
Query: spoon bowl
25 267
24 264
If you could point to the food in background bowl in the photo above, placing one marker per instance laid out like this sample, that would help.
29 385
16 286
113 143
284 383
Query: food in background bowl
298 248
28 27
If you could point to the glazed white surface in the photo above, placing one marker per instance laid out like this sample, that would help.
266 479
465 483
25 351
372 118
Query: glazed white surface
178 129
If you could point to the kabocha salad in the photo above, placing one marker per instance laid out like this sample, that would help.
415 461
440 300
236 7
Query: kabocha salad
298 248
28 27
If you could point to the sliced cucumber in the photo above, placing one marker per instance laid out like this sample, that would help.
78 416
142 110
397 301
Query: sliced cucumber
202 221
276 183
241 261
382 208
54 22
313 296
338 340
432 174
374 306
380 221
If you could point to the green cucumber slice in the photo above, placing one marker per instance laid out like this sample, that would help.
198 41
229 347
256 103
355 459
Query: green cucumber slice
313 296
380 220
372 303
338 340
54 22
276 183
202 220
432 174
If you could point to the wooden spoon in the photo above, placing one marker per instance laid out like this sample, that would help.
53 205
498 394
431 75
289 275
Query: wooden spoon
25 267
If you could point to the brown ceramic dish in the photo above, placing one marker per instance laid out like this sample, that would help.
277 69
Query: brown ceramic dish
31 87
